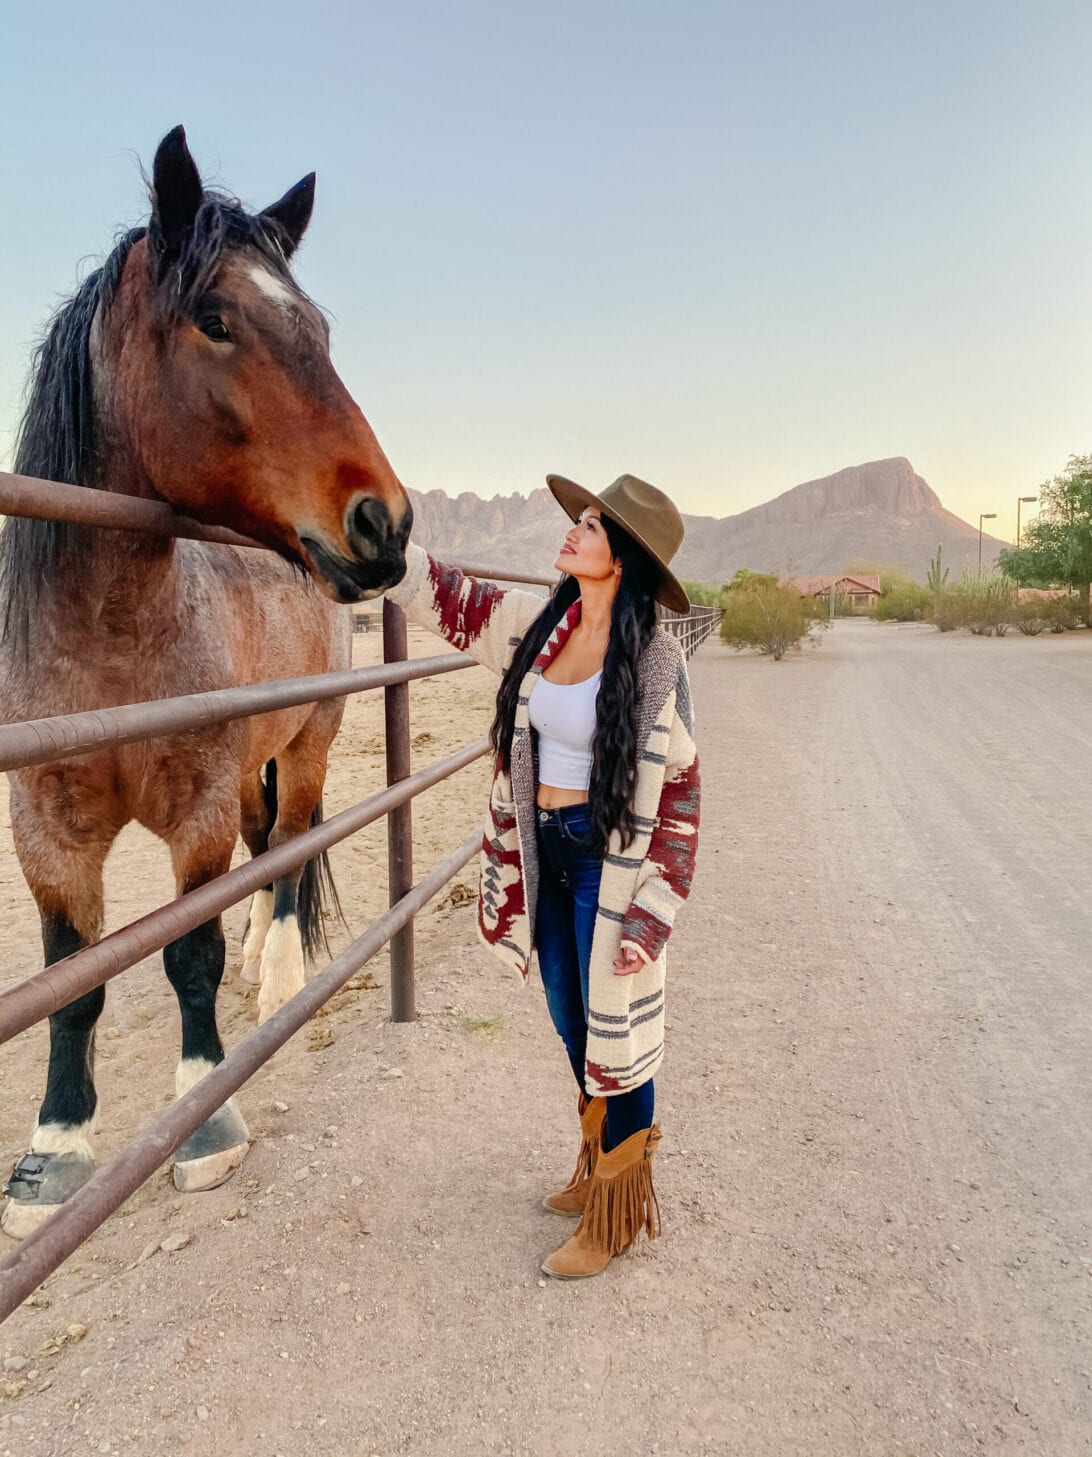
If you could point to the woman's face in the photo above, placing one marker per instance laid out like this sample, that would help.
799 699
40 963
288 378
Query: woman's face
586 551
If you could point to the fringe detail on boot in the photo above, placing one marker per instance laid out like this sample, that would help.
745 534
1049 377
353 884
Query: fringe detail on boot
591 1141
621 1204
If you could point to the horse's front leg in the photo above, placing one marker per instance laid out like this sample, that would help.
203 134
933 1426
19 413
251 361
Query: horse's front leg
63 867
195 967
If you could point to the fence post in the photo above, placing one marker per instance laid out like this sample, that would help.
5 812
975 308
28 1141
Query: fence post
400 820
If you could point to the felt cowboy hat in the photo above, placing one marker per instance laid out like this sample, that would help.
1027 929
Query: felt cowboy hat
646 513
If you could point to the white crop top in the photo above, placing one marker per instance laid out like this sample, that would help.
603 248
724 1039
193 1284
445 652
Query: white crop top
563 715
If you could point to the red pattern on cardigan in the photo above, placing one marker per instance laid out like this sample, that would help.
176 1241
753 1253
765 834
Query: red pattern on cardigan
462 619
673 849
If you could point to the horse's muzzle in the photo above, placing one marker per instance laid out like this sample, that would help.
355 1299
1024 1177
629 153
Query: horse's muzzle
378 548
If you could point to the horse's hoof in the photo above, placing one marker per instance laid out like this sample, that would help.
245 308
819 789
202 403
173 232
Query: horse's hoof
20 1220
212 1152
251 972
39 1184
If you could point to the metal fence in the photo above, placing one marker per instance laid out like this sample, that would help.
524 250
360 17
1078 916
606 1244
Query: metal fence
50 739
693 627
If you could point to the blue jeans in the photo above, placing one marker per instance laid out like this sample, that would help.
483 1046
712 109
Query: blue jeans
568 897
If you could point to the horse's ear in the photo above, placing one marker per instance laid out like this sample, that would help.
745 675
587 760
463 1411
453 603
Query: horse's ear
176 190
292 213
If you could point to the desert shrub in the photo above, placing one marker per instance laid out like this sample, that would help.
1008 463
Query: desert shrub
768 618
949 610
703 594
990 600
903 601
1028 618
1062 614
843 605
983 604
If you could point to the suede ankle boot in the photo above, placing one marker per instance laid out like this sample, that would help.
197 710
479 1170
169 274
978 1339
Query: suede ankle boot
570 1201
620 1203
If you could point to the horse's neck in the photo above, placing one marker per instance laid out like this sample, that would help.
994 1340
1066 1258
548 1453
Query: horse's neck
123 569
113 585
125 573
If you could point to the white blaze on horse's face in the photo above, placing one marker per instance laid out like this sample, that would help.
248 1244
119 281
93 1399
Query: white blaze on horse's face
272 287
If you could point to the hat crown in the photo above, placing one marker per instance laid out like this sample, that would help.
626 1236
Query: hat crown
647 510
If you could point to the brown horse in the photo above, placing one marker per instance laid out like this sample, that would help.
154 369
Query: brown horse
189 368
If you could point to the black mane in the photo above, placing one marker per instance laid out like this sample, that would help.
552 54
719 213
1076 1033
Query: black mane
56 440
221 224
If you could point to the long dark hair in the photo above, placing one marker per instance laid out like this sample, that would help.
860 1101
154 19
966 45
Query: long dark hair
614 749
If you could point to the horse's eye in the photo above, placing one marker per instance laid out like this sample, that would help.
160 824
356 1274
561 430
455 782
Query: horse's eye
214 328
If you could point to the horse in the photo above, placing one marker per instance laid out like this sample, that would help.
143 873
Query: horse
189 368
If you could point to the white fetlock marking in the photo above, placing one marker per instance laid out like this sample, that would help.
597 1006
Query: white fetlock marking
189 1073
66 1138
261 918
282 967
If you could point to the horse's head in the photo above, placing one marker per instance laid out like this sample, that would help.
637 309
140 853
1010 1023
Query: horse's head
218 370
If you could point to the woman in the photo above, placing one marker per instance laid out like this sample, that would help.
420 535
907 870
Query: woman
592 832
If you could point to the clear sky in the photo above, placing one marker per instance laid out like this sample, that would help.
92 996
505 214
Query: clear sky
728 247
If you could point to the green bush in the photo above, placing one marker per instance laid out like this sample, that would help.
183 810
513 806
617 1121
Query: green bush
1062 614
990 603
768 618
702 594
949 610
983 604
903 601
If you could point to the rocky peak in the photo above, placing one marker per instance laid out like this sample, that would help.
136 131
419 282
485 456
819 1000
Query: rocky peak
890 486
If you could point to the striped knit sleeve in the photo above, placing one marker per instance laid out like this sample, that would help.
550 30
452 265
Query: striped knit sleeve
673 848
473 615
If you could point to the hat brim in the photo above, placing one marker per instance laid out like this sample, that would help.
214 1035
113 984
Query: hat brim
573 498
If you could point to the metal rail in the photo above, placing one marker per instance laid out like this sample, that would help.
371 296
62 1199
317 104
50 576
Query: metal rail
400 820
43 740
78 506
692 628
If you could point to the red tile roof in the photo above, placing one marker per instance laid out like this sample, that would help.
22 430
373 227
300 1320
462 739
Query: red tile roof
812 586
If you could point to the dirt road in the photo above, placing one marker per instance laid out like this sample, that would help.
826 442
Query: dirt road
875 1171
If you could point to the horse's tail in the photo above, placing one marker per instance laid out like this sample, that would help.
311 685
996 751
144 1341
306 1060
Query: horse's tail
269 798
317 893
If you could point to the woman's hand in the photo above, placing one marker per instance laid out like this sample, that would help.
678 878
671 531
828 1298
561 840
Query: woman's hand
627 962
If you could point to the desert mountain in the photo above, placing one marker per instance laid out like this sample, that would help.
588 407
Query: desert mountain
882 511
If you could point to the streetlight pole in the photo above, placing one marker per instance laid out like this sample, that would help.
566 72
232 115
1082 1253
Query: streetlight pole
1018 500
983 516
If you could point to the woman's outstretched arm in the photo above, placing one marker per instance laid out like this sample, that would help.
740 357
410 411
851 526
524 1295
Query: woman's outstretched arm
472 614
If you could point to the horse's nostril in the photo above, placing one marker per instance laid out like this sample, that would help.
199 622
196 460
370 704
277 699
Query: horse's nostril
372 516
368 527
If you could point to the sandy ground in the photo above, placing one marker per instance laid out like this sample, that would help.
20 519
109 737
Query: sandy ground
874 1176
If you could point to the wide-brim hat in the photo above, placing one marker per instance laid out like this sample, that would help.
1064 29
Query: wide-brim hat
650 517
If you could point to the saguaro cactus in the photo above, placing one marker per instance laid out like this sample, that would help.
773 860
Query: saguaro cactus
936 580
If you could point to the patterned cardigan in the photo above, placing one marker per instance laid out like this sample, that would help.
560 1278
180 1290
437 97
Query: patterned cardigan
642 886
